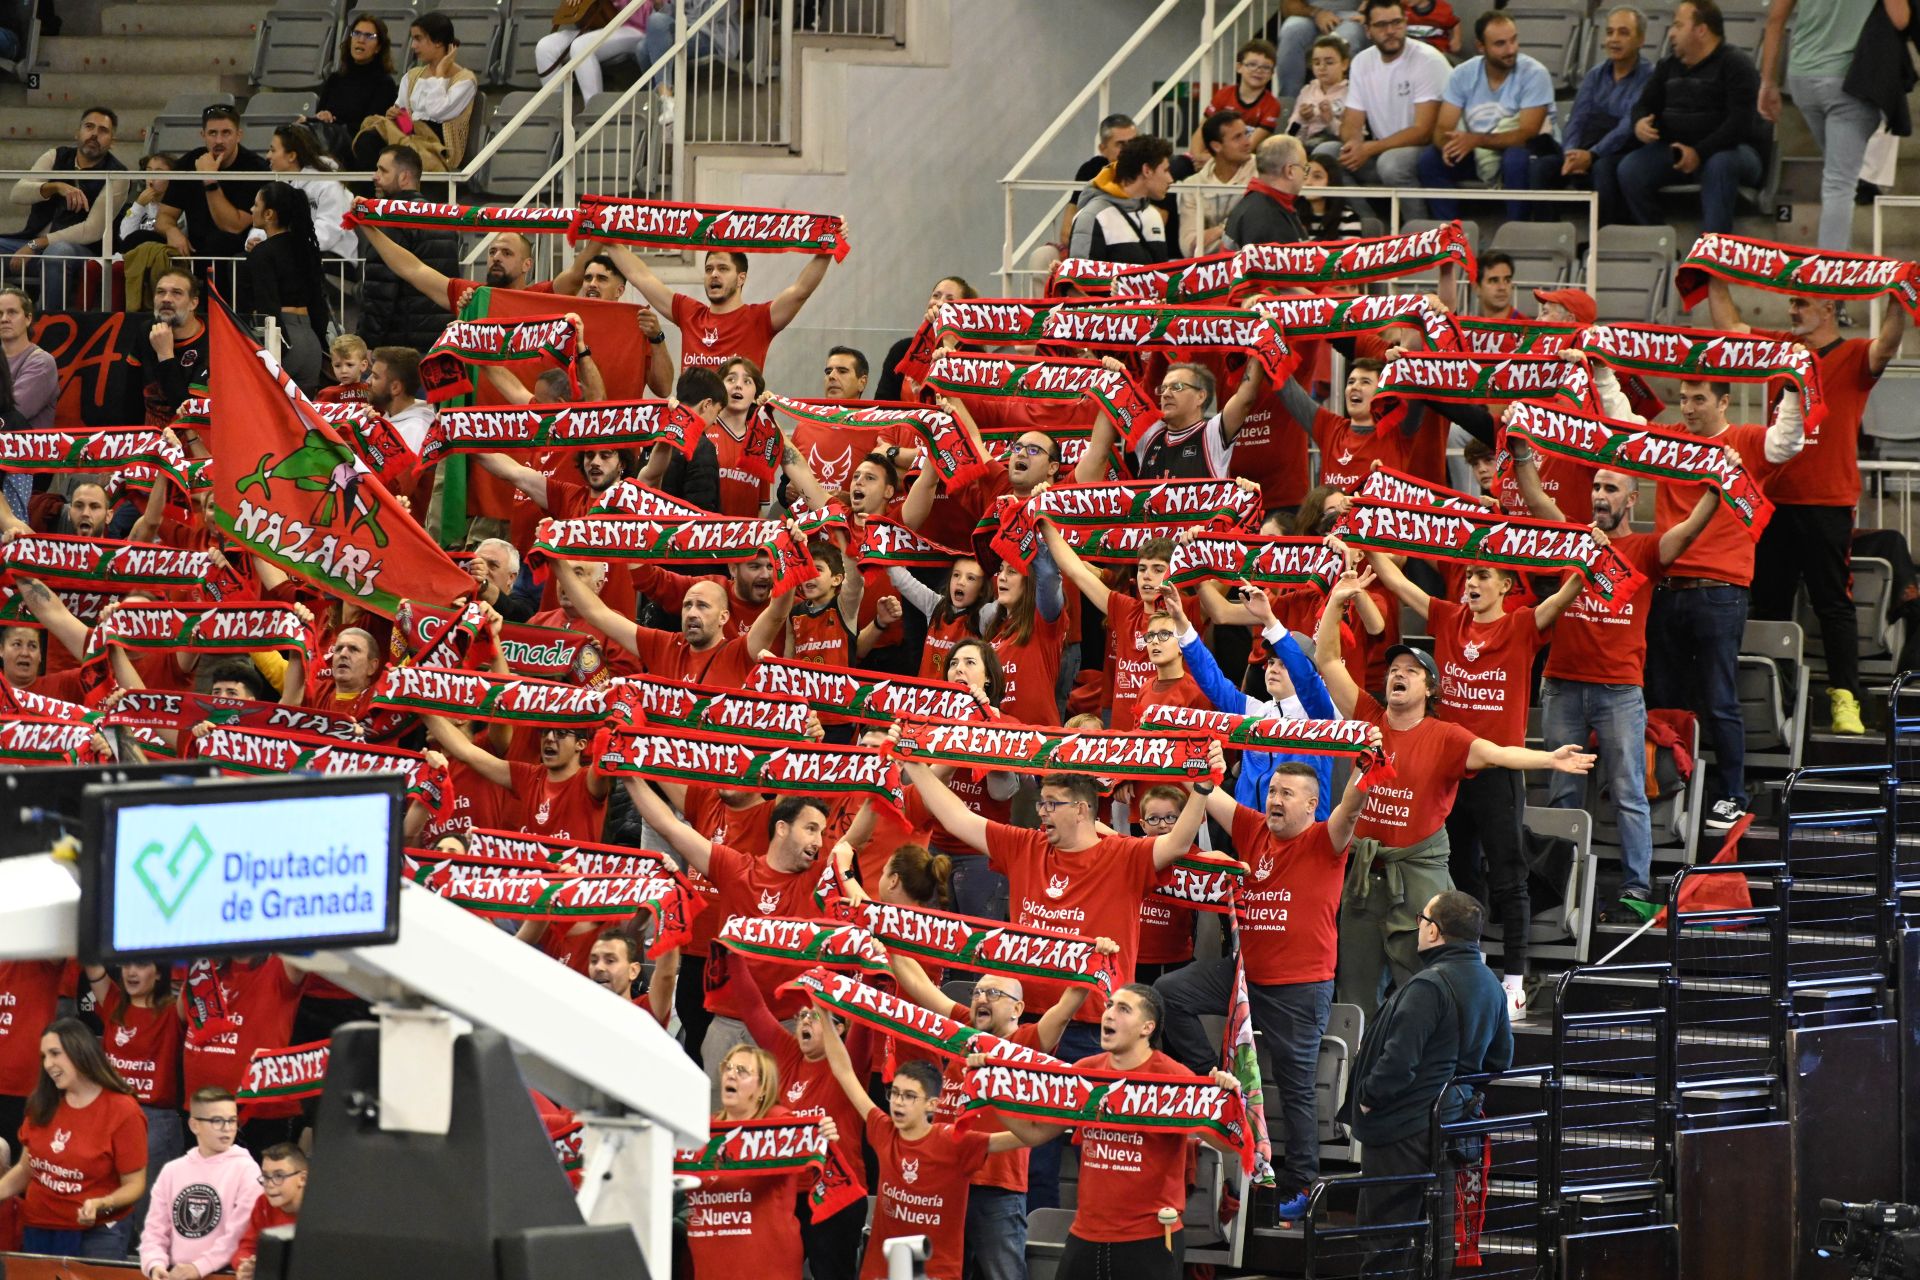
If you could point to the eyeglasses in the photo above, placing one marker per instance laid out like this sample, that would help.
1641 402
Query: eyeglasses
1021 449
1164 820
1160 636
906 1095
991 993
1254 64
363 35
1044 806
218 1122
275 1179
1165 387
1429 919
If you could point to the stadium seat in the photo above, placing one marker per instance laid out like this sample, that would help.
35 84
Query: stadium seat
1636 268
271 108
527 155
1872 603
1553 34
1046 1241
1760 197
480 25
1542 252
294 47
526 22
175 128
1772 683
399 17
19 17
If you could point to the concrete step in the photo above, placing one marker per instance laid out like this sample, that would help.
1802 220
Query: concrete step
133 94
21 153
171 18
147 55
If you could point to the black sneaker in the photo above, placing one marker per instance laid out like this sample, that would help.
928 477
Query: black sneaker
1723 815
1623 911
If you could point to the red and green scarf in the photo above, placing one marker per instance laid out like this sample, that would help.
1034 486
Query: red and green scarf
608 424
775 1148
1153 326
661 224
827 944
714 540
1485 337
202 628
375 438
1464 378
1704 355
517 848
740 715
1262 561
36 740
903 1020
264 751
789 768
950 448
839 695
58 452
1352 262
275 1075
1643 450
105 564
631 498
982 321
1384 484
425 215
1127 1101
173 709
445 372
1309 317
1109 523
526 893
84 605
991 945
1113 755
1048 379
550 653
1200 882
1348 739
1783 268
1514 542
887 543
206 1003
483 695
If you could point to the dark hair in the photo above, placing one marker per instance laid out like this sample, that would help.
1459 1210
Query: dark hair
619 933
26 300
83 1049
1257 45
603 261
887 468
289 1153
1078 785
629 461
966 290
1476 450
1336 43
162 974
789 808
1488 261
1312 507
1718 386
1138 155
193 285
1707 14
1214 130
1487 19
922 1073
996 678
211 1093
402 363
221 111
1458 916
299 141
697 384
1367 364
167 163
1164 791
943 610
859 358
232 671
744 362
404 158
1296 769
1155 549
290 206
926 876
1148 997
1368 7
437 27
112 116
385 56
739 259
829 557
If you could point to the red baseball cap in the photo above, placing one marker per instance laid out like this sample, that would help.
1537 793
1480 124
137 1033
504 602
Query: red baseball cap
1577 301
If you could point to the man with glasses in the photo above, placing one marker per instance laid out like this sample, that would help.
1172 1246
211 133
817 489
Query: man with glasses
1186 443
560 798
283 1182
66 220
218 214
1266 214
203 1201
1393 99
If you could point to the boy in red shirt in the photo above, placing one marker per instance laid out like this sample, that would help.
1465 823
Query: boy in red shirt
724 324
560 798
283 1182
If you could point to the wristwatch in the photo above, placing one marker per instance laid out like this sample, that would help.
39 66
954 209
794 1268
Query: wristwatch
1204 788
581 354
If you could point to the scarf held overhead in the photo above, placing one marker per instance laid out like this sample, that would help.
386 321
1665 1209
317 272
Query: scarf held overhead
902 1019
1131 1103
56 452
611 424
1110 522
202 628
788 768
1703 355
715 540
840 695
990 945
1035 378
426 215
1348 739
107 564
445 372
1255 559
1114 755
1149 326
1781 268
661 224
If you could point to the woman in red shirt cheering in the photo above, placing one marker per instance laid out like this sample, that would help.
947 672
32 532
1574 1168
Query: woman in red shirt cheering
142 1034
83 1157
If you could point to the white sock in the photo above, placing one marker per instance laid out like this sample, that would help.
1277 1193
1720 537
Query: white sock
1513 982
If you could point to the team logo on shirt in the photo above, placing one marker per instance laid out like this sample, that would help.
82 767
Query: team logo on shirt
795 1090
59 1142
540 814
909 1171
1265 868
1470 651
196 1211
769 902
1057 886
832 472
123 1036
1346 457
710 337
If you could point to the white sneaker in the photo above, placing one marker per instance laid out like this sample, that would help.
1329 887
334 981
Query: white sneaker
664 112
1723 815
1516 1000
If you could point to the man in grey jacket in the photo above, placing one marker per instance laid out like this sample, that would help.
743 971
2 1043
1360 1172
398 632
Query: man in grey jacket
1118 219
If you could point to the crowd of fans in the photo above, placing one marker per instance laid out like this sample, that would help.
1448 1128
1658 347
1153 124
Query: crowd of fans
1374 897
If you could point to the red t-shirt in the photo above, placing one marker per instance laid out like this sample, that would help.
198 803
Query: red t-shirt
1428 762
1127 1178
29 995
1132 673
712 340
264 1216
81 1153
669 590
808 1089
562 810
1827 472
1095 892
1006 1169
1486 670
1172 693
476 803
922 1190
1724 549
820 637
1166 933
1347 454
1271 450
751 886
262 998
742 493
666 654
745 1225
1592 646
940 642
971 787
1032 668
1288 905
144 1047
1568 483
742 829
1263 114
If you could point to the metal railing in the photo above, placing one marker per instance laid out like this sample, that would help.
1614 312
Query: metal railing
1729 965
1903 754
1511 1160
1613 1079
1838 849
1338 1244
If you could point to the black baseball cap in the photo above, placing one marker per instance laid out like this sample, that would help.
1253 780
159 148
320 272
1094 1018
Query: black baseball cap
1420 656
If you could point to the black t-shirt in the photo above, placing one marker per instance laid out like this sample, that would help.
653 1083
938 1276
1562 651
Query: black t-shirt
190 198
166 385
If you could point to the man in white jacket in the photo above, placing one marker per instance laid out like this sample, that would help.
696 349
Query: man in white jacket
202 1201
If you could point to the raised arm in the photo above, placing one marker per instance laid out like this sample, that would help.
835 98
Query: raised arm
1526 474
1169 848
1074 569
787 303
1326 641
841 1064
683 839
767 627
1346 814
1675 541
1886 343
948 809
1053 1023
519 475
1092 467
1388 570
1726 316
666 973
458 746
51 612
1548 611
1234 412
570 579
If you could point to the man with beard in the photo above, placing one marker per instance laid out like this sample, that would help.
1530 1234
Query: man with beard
781 883
393 389
391 314
176 355
1810 537
722 323
218 214
748 584
698 653
1401 857
1500 103
600 279
66 219
86 515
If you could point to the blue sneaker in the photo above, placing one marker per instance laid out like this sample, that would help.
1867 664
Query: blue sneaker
1291 1211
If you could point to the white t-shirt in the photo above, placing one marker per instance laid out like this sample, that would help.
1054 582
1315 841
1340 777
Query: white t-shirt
1389 91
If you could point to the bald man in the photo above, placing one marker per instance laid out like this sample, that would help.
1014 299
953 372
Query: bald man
1265 215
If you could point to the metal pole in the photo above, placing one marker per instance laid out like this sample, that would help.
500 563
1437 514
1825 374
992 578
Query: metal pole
1208 34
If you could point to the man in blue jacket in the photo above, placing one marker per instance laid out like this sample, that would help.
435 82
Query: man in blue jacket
1449 1020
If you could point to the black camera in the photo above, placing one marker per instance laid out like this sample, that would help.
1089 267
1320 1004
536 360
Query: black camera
1881 1239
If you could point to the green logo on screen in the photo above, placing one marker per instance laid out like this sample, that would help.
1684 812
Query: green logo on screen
170 877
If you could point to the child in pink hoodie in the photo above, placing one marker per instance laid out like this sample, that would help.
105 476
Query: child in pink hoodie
202 1201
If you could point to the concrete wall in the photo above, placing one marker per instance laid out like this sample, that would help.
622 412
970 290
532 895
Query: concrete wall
925 149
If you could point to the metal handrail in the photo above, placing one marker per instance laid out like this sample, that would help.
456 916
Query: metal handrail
1316 1228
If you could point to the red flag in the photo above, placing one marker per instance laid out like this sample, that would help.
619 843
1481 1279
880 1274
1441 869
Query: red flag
285 487
1717 893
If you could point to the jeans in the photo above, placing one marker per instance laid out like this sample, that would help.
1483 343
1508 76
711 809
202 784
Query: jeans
1530 167
166 1140
562 46
978 890
1616 714
59 271
996 1234
720 38
1632 187
1693 648
1489 857
1291 1017
1841 125
108 1244
1079 1040
1296 44
1815 544
1399 167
